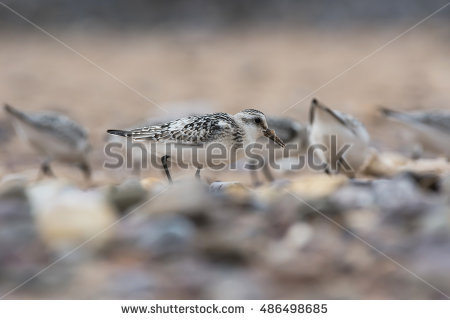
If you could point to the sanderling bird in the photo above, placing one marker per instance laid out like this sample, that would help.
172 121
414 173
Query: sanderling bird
338 132
234 132
293 133
430 129
54 136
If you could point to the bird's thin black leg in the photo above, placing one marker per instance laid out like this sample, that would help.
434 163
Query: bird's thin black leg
86 170
45 167
197 173
166 169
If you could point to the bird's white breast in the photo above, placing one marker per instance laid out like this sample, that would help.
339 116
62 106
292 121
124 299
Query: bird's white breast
325 126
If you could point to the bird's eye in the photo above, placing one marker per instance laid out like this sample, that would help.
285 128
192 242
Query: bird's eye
258 120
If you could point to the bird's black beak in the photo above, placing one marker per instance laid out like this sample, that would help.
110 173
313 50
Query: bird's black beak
272 136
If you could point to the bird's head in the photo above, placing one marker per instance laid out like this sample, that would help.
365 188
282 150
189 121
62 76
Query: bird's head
255 124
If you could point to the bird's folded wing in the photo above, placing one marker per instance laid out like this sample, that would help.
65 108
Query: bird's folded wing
439 120
189 131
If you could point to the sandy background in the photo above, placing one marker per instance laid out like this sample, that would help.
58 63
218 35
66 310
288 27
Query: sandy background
219 71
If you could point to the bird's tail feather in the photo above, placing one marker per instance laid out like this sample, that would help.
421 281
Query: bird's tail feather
399 116
315 104
14 112
393 114
122 133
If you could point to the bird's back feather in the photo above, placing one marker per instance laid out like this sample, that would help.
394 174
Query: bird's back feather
189 130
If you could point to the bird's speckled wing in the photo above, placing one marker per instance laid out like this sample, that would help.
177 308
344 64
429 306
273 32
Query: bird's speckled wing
65 128
191 130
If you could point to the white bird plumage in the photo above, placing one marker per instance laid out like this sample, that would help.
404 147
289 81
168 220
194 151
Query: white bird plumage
349 131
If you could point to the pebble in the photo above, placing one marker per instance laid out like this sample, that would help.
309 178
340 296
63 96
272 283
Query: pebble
128 194
66 216
22 252
158 235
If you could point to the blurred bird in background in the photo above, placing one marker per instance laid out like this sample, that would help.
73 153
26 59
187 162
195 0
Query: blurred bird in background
293 133
337 131
429 130
54 137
